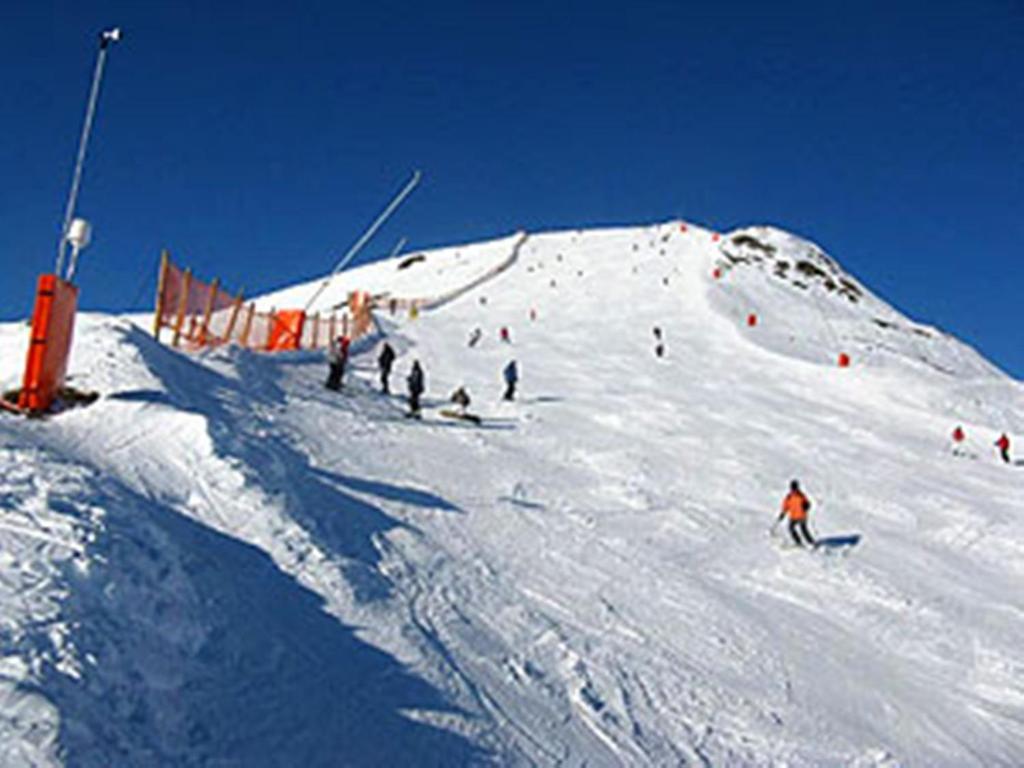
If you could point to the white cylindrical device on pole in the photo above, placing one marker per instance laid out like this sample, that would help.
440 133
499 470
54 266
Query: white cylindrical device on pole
79 236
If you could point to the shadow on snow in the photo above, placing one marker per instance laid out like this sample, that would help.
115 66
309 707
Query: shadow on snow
204 652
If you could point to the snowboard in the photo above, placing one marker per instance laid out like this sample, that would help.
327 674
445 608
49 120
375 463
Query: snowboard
470 417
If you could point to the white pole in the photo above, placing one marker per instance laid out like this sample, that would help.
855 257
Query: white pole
106 37
358 245
398 248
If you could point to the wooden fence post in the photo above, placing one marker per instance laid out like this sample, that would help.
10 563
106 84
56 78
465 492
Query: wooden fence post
182 305
204 329
161 281
270 329
248 325
316 329
236 307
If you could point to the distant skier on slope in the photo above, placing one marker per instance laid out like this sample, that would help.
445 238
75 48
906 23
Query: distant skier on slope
511 375
337 357
475 336
659 346
1003 444
796 506
958 440
385 360
415 382
461 399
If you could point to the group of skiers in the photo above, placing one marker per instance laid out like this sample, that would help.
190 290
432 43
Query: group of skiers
795 506
337 358
1002 444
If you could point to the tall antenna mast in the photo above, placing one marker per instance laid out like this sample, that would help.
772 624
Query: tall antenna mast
107 37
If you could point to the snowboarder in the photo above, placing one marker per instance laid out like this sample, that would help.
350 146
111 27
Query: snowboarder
337 357
659 347
475 336
461 398
796 506
416 387
504 335
958 440
1003 444
511 374
384 361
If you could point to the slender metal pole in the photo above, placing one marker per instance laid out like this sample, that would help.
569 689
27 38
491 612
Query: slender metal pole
370 232
106 38
398 248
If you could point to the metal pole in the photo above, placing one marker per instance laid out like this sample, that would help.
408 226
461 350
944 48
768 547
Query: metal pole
398 248
370 232
106 37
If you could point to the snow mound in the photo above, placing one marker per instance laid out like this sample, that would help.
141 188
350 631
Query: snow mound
221 562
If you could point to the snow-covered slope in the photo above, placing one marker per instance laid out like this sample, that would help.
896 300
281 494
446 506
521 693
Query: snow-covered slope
223 563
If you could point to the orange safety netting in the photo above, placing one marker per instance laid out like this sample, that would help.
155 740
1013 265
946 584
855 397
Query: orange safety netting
200 314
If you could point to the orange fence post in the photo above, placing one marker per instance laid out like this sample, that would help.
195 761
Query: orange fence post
182 306
161 282
53 324
316 329
208 310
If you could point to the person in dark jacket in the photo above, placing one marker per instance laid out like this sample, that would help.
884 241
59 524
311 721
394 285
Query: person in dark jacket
417 386
511 374
461 399
337 357
384 361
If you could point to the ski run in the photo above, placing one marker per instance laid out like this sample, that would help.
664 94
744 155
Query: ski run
223 563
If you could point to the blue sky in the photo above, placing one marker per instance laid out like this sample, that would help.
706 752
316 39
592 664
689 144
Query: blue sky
256 141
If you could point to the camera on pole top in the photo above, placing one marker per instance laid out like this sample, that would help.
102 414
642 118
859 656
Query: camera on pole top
109 36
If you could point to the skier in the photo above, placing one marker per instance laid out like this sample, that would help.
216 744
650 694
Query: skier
384 361
796 505
1003 444
461 398
511 374
337 357
475 336
659 347
958 440
416 387
504 335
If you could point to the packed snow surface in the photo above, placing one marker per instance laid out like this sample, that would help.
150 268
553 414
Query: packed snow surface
223 563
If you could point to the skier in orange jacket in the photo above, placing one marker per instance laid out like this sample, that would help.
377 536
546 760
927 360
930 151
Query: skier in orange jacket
796 506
